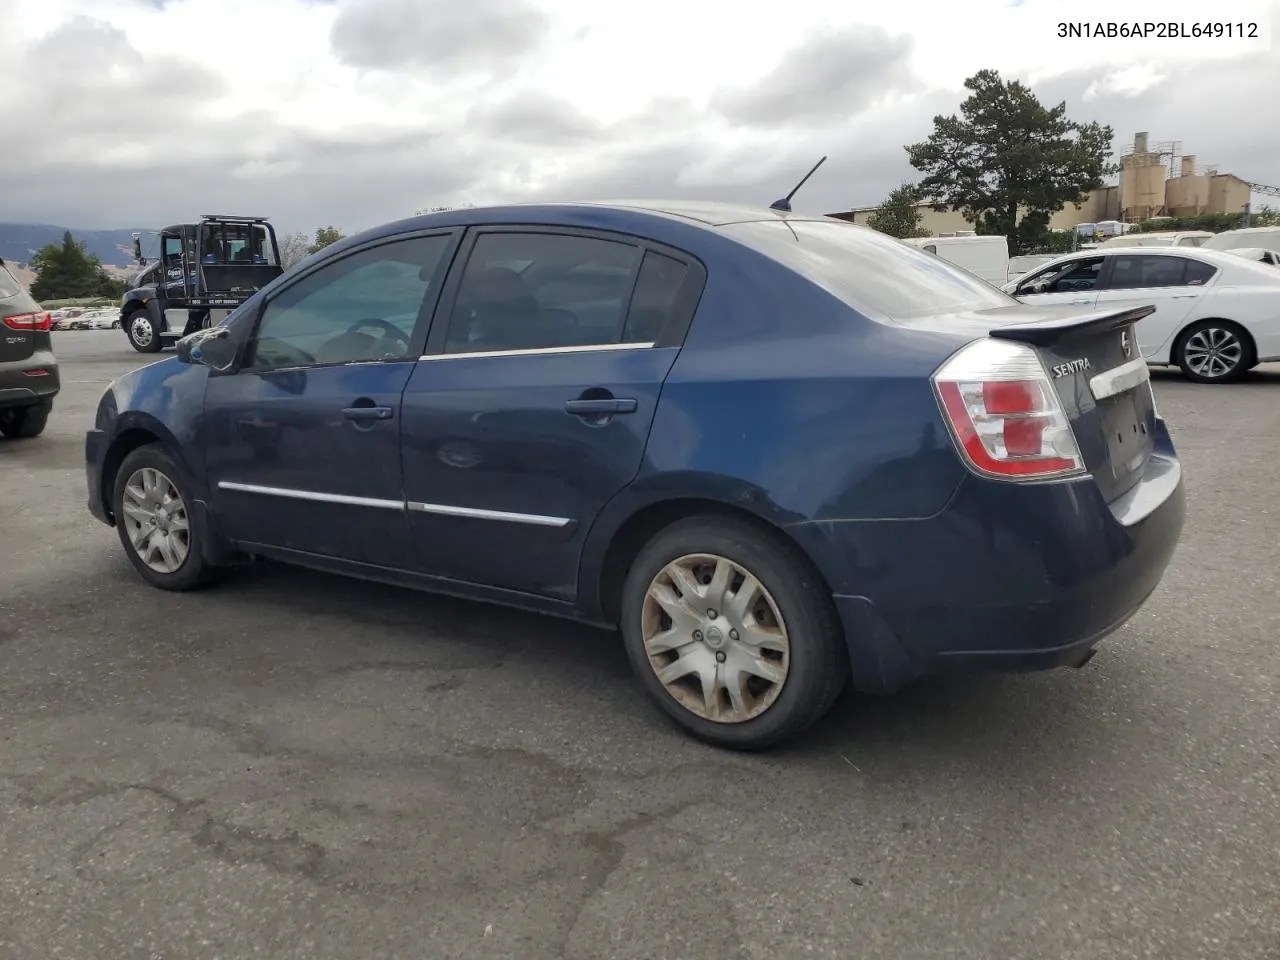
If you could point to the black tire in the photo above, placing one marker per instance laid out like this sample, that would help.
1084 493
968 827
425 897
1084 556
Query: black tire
193 571
818 658
1237 348
138 339
24 423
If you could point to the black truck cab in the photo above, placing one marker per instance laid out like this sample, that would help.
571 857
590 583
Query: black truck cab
204 270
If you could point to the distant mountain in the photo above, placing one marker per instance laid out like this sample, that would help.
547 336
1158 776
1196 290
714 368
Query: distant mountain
20 241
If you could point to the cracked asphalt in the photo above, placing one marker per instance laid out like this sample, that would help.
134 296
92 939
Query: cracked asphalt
295 765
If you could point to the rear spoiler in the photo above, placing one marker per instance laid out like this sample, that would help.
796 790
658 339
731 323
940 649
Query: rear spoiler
1045 333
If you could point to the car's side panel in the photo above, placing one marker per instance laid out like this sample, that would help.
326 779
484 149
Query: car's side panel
503 472
165 399
750 407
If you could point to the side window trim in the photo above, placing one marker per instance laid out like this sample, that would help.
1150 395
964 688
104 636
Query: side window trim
426 312
672 334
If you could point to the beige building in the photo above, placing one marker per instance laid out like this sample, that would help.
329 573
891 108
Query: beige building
1102 204
1155 180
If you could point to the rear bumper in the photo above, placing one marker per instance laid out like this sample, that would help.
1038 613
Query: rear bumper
1006 577
95 455
22 383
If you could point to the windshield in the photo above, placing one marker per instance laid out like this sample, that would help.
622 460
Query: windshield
871 271
1239 239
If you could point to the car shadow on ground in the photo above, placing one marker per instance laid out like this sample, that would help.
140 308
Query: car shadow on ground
990 720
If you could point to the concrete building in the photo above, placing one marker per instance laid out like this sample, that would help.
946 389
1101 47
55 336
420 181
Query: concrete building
1155 180
1102 204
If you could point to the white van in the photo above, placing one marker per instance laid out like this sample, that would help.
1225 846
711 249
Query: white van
986 257
1265 237
1159 238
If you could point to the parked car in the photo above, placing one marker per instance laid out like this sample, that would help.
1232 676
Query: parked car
779 453
28 371
1260 254
1217 315
101 319
1266 237
1159 238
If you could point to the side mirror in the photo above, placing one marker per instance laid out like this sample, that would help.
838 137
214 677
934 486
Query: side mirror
137 249
212 348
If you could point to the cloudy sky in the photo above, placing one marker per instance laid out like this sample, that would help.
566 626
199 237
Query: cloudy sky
124 113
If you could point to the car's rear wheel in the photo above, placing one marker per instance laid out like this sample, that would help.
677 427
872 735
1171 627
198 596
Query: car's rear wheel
152 506
1214 351
142 332
732 632
23 423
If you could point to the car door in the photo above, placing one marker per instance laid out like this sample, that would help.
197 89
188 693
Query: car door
533 404
1172 284
1071 282
302 443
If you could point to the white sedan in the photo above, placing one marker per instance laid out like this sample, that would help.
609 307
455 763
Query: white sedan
1217 314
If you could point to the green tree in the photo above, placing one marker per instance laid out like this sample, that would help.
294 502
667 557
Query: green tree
67 270
1008 162
899 216
326 236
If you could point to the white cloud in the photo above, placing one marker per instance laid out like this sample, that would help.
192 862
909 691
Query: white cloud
356 111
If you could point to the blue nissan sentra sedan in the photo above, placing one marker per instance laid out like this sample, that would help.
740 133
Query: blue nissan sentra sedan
779 453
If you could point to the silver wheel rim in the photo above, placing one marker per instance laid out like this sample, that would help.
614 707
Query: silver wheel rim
155 518
141 331
715 638
1213 352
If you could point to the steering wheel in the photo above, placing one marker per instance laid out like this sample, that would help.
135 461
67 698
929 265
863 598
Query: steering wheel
390 333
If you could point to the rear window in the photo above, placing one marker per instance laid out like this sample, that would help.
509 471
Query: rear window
872 272
9 287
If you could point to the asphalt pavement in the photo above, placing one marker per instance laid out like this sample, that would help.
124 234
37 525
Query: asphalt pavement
297 765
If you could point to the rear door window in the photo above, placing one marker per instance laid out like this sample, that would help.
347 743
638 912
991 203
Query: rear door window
655 300
1132 272
541 291
871 271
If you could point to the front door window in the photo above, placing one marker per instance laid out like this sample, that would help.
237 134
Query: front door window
363 307
1075 276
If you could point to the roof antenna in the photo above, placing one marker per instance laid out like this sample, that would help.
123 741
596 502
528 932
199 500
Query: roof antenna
785 203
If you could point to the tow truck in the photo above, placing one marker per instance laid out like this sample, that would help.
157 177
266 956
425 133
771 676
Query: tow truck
205 270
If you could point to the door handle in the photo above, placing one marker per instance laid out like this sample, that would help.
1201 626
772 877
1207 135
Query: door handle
368 413
604 405
1183 296
1078 302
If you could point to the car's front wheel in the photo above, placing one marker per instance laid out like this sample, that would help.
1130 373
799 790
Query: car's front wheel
732 633
23 423
152 505
1214 351
142 333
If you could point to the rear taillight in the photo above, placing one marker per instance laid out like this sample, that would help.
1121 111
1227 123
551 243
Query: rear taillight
1004 413
29 321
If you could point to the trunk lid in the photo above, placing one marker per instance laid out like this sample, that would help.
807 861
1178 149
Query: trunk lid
1104 385
1097 372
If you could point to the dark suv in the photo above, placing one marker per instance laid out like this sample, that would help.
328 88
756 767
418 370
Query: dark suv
28 371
